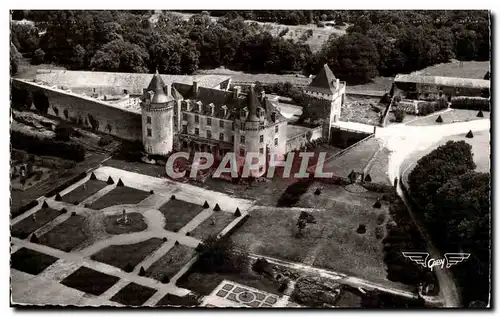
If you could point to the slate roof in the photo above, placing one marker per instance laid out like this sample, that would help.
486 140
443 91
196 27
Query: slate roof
157 86
443 81
324 81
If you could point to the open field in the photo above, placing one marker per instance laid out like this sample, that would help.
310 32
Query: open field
30 261
207 228
469 69
169 264
68 235
450 116
133 295
84 191
120 196
128 255
30 224
90 281
178 213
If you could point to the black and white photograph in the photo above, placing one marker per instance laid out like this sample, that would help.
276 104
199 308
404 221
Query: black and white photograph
279 159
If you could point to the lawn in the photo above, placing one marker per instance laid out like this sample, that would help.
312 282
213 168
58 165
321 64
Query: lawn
128 255
173 300
470 69
349 300
206 228
355 159
30 261
90 281
120 196
83 191
169 264
68 235
136 224
378 168
133 295
178 213
205 283
30 224
451 116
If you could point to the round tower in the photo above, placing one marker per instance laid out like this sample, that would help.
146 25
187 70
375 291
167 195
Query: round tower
157 107
253 133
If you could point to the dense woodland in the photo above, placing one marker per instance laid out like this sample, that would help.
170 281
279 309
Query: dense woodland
454 203
377 42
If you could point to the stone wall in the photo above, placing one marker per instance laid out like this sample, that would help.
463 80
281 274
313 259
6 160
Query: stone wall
345 138
302 139
87 111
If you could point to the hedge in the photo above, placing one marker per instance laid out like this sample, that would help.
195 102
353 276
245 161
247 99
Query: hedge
470 103
43 146
23 209
66 184
425 108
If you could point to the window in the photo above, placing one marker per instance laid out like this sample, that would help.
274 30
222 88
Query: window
209 134
197 131
149 132
261 139
196 118
221 123
261 151
242 139
209 122
148 120
221 136
276 129
184 129
184 116
242 152
232 125
276 142
232 138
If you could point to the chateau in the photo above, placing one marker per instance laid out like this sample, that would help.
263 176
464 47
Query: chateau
194 113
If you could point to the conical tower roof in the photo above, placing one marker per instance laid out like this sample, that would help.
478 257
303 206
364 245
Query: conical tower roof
156 86
324 81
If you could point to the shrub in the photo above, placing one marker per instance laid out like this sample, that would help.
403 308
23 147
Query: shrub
105 140
261 266
377 204
469 134
73 213
439 119
120 183
206 205
480 114
38 57
381 218
110 181
58 197
386 99
292 194
220 255
361 229
217 208
399 114
317 192
368 178
142 271
379 232
34 238
237 213
172 197
165 279
471 103
63 132
44 146
128 268
45 205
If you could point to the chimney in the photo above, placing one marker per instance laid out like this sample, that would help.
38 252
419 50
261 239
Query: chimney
236 91
252 107
166 90
195 87
262 95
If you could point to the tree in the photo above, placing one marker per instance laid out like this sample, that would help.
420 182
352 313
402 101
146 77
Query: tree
15 59
78 59
38 57
399 114
221 255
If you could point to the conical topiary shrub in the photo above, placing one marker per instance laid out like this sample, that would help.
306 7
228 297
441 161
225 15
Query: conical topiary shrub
368 178
45 205
142 271
73 213
92 176
206 205
173 197
165 280
164 239
34 238
151 192
377 204
75 202
176 243
110 181
469 134
188 233
216 208
237 213
480 114
120 183
128 268
58 197
317 192
361 229
439 119
64 210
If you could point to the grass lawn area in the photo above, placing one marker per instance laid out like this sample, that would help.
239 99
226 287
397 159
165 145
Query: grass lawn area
133 295
136 224
80 193
470 69
330 193
90 281
205 229
354 159
349 299
30 261
173 300
178 213
378 168
171 262
454 115
67 235
204 283
120 196
30 224
128 254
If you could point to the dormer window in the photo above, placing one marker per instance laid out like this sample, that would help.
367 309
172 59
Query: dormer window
200 106
261 113
224 111
184 106
273 116
212 109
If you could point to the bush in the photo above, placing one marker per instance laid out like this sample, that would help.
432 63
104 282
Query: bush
399 114
105 140
379 232
32 144
220 255
471 103
63 132
38 57
261 266
128 268
381 218
292 193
